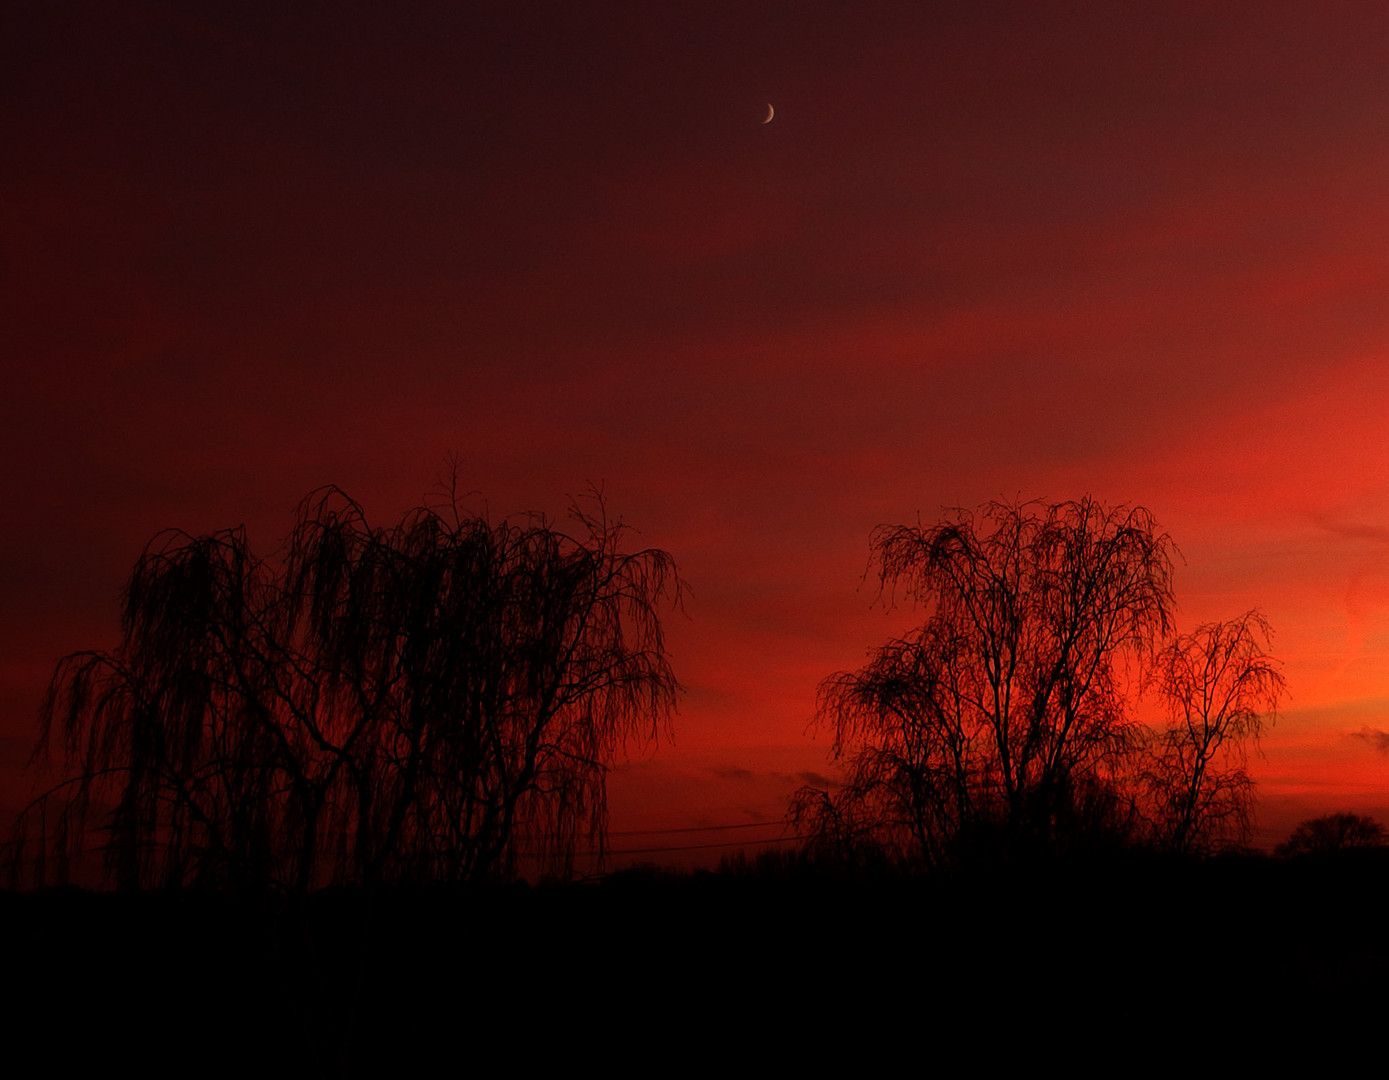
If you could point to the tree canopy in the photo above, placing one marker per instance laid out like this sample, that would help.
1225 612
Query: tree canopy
1004 720
427 701
1333 834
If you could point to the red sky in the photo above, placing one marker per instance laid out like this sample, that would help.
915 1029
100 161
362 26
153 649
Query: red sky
983 250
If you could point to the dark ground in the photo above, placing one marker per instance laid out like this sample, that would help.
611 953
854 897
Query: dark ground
645 970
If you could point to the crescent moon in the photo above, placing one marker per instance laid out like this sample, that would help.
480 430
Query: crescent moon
771 112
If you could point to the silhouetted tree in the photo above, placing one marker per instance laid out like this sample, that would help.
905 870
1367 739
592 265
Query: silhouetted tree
1334 833
1219 688
422 702
1001 720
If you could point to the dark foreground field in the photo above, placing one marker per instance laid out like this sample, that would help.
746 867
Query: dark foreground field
645 970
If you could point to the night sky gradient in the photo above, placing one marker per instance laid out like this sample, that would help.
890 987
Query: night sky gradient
1005 250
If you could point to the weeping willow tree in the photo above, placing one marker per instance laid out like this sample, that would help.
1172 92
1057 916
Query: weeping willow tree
424 702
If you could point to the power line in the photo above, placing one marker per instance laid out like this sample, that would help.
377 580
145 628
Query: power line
698 828
686 847
699 847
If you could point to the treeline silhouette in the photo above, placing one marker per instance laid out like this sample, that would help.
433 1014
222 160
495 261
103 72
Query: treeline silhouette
296 769
1336 834
422 702
429 702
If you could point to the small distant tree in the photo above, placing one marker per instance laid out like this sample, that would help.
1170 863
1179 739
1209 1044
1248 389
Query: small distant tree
1332 834
420 702
1220 689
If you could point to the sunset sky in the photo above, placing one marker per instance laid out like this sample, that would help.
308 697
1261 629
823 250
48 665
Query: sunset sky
984 250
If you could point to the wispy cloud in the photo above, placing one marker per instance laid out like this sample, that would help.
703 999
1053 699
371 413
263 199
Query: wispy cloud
1354 530
1378 740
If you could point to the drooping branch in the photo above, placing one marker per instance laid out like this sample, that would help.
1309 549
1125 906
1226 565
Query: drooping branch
422 701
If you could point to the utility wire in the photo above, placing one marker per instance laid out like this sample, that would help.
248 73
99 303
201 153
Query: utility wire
698 828
698 847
